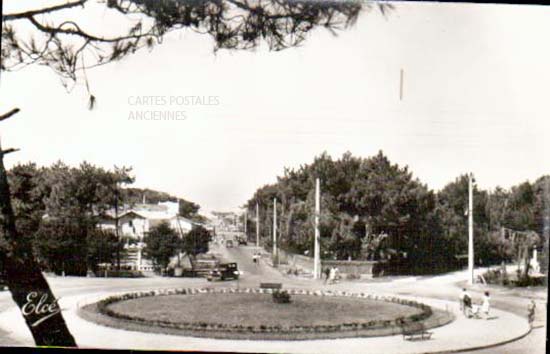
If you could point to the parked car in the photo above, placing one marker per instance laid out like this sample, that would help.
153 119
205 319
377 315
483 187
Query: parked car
229 243
224 271
242 241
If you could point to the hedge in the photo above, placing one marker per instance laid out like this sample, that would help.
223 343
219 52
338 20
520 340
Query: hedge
103 308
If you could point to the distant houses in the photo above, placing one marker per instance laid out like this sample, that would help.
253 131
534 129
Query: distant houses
136 221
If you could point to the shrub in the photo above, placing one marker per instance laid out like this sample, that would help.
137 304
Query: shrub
281 297
113 273
524 281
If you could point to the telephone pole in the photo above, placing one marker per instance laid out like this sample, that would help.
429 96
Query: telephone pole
317 248
257 225
471 228
116 228
275 255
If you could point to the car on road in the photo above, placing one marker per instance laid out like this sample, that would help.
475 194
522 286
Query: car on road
242 241
229 243
224 271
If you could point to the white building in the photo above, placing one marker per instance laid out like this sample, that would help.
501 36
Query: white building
135 223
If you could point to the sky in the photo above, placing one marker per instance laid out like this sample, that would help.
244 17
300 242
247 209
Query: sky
475 98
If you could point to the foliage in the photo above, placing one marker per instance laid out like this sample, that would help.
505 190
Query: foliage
281 297
188 209
69 48
162 243
58 209
67 247
59 245
134 196
102 248
196 241
372 209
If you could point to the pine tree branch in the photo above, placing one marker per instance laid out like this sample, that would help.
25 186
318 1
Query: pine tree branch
26 14
7 151
9 114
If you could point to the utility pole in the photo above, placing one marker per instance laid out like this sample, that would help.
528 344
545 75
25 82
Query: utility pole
471 228
245 225
275 255
257 225
317 248
116 228
546 229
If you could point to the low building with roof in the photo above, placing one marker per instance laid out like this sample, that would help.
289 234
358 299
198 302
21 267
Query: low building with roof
135 222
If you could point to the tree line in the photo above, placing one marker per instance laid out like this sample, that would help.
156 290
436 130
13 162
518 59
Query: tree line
163 243
372 209
58 208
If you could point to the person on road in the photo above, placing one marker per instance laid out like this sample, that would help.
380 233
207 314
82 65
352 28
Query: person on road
332 275
463 293
327 274
467 305
531 312
486 306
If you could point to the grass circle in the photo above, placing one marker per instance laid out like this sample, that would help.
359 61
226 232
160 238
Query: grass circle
252 314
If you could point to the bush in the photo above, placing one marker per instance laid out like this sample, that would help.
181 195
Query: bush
496 276
113 273
525 281
281 297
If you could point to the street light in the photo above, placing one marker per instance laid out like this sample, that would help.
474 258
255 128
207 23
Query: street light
471 183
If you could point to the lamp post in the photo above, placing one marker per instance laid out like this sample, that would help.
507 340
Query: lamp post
257 225
317 248
275 255
471 182
245 225
117 235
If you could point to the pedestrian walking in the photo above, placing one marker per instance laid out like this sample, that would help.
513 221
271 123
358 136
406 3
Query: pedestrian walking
332 275
336 274
468 312
486 305
327 274
531 312
463 293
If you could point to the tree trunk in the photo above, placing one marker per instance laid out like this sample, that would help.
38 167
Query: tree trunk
28 286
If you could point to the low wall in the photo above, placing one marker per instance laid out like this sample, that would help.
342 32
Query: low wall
345 267
352 267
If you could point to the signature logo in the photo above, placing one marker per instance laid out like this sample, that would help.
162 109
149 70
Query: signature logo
40 306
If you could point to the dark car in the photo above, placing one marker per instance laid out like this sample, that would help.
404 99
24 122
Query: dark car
242 241
224 271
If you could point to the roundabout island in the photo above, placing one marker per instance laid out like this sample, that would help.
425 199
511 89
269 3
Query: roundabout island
251 313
